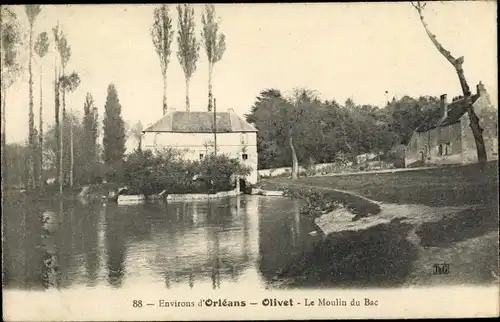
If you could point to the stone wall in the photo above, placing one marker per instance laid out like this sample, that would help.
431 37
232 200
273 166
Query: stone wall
203 196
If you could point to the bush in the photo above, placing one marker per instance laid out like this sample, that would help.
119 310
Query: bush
149 174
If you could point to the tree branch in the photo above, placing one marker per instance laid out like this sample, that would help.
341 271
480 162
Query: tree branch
456 62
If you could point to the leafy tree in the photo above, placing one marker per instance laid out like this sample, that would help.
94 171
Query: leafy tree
269 141
11 41
64 51
162 33
457 63
70 83
114 133
16 156
324 132
90 135
188 46
85 170
219 171
408 113
41 49
214 43
149 173
135 131
32 11
278 119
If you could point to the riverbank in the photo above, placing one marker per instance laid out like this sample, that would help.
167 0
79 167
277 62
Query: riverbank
448 186
390 229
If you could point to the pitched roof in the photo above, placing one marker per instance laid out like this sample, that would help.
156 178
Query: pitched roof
200 122
456 110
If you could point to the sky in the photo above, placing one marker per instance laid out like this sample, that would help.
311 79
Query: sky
340 50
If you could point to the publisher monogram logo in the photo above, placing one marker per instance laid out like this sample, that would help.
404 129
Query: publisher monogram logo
441 269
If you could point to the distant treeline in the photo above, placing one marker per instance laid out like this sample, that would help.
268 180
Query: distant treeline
327 131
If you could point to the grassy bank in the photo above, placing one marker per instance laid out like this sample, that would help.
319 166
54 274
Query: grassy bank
450 186
318 201
453 220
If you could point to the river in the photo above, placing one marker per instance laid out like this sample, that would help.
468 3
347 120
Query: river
244 241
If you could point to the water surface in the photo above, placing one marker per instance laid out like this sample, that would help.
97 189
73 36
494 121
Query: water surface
241 241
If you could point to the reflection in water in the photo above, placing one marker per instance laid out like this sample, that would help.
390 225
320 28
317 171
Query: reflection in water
193 244
115 246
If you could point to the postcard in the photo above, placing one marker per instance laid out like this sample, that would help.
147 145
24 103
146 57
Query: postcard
249 161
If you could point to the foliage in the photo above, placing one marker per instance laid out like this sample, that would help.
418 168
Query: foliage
220 169
90 135
62 45
88 168
188 46
135 131
42 44
15 156
214 43
11 43
70 82
32 11
114 132
149 173
162 33
326 131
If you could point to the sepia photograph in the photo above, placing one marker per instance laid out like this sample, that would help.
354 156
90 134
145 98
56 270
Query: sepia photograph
249 161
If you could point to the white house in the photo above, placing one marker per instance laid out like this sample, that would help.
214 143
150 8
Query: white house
193 132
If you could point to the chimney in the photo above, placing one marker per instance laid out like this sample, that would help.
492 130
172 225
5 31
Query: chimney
481 90
230 110
444 105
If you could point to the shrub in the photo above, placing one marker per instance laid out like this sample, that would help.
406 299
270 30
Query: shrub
149 173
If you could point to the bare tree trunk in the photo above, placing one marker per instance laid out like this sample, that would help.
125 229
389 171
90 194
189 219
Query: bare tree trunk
210 94
187 95
4 142
57 128
61 142
31 119
72 160
295 163
457 63
40 138
165 107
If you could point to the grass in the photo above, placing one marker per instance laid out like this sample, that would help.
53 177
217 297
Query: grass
403 251
450 186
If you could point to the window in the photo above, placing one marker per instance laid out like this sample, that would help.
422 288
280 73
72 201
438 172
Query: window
244 156
244 138
201 156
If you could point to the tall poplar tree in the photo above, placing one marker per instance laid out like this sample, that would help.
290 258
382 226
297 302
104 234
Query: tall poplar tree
11 41
214 43
188 47
32 11
162 34
41 49
90 131
114 132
